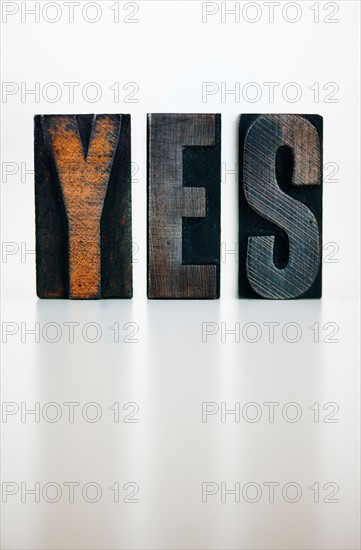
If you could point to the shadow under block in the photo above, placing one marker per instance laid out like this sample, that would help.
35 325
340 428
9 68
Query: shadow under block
184 205
280 206
83 206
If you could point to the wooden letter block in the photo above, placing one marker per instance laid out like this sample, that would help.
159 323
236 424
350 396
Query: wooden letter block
183 205
83 206
280 206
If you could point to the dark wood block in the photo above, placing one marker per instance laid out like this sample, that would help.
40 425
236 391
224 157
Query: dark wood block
280 206
83 206
184 205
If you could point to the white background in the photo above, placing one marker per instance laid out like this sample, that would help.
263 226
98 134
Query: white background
170 372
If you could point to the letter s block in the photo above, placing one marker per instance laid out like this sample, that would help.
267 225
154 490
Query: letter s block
280 206
183 205
83 206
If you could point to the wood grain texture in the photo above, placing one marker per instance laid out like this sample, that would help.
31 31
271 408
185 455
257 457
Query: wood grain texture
83 206
183 205
280 206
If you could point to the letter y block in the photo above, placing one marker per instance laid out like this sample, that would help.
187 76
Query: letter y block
83 206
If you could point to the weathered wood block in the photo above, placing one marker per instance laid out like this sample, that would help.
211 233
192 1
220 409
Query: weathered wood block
184 205
83 206
280 206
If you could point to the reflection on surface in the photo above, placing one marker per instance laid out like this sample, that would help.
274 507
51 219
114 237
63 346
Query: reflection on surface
206 389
